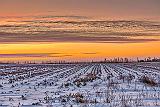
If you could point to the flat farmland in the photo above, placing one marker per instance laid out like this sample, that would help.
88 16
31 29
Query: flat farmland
80 85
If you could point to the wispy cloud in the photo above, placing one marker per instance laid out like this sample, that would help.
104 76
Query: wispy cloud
47 30
34 55
60 56
65 37
90 53
24 55
64 16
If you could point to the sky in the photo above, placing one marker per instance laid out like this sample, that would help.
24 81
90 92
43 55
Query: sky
78 29
103 8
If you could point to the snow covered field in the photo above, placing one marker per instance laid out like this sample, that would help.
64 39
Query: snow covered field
80 85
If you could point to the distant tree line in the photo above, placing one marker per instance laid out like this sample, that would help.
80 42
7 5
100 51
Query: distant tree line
127 60
149 59
118 60
113 60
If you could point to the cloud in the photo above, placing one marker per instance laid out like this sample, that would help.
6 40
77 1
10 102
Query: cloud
34 55
60 56
75 39
64 16
24 55
120 31
65 37
90 53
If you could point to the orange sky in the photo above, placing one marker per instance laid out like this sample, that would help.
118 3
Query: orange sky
77 51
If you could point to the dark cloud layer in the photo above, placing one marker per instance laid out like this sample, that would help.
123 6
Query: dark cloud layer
11 37
24 55
34 55
80 31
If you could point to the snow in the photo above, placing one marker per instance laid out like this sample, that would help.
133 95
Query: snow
80 84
